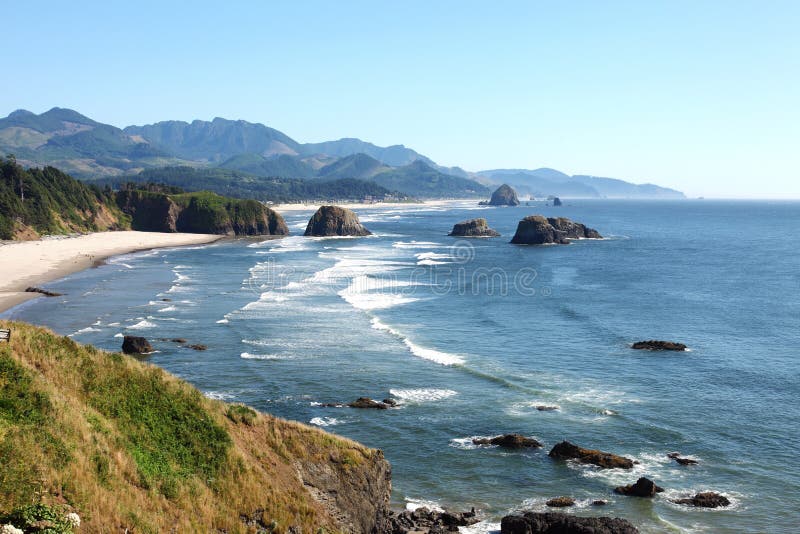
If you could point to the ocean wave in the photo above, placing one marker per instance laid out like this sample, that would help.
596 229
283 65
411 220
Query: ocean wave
483 527
418 244
141 325
436 356
467 444
167 309
222 321
250 356
119 334
219 395
432 262
324 421
422 395
362 293
414 504
84 331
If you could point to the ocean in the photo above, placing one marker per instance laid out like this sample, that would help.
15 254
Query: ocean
470 336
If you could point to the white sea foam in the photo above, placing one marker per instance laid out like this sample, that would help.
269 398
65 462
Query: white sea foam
219 395
324 421
483 527
84 331
467 444
113 324
432 262
417 244
439 357
413 504
422 395
168 309
250 356
222 321
119 334
141 325
362 293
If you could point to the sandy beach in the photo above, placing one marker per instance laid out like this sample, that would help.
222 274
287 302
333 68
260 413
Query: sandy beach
34 263
302 206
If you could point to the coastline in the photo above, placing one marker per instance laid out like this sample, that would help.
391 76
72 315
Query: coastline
32 263
302 206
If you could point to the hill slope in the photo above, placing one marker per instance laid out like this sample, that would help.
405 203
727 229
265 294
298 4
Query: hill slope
422 181
131 448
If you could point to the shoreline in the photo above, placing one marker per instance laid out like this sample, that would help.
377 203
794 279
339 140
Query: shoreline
303 206
33 263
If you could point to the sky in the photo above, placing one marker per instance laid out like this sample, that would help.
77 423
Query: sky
702 96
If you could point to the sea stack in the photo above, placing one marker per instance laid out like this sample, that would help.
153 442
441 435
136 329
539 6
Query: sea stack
504 196
335 221
556 201
136 345
473 228
538 230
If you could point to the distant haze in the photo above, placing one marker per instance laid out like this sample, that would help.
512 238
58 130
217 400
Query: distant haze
697 96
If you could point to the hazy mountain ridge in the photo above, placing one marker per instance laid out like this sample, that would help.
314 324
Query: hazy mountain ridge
86 148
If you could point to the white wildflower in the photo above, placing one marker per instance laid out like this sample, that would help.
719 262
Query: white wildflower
10 529
74 518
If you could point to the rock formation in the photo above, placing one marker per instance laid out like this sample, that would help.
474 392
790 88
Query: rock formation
644 487
682 461
569 451
473 228
366 402
509 441
44 292
425 520
136 345
559 523
504 196
654 344
556 201
560 502
538 230
708 499
333 221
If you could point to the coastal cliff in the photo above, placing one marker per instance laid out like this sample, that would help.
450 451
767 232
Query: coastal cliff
127 446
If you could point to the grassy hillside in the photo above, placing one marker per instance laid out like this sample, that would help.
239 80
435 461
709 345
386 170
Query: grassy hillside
129 447
52 203
422 181
285 166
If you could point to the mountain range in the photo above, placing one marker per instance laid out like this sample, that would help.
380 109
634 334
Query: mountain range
89 149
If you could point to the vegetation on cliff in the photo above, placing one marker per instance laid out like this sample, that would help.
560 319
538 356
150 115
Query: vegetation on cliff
125 445
47 201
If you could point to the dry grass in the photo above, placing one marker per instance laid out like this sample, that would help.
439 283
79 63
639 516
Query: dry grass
117 441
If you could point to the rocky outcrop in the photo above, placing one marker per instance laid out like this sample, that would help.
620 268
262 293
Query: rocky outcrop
504 196
560 502
546 408
44 292
682 461
333 221
569 451
509 441
644 487
473 228
559 523
654 344
202 212
136 345
424 520
366 402
556 201
708 499
538 230
355 493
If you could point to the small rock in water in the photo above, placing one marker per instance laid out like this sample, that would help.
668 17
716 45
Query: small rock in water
390 402
366 402
569 451
708 499
431 521
557 522
44 292
644 487
178 340
543 408
599 502
136 345
197 347
560 502
473 228
509 441
654 344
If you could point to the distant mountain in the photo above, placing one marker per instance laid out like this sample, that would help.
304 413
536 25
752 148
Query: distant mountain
354 166
545 182
394 156
420 180
283 165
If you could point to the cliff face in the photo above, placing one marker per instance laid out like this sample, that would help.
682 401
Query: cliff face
203 213
125 445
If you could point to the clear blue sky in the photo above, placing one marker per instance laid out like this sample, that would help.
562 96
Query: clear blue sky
699 95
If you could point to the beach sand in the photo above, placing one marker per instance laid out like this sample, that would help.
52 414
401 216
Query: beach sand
34 263
280 208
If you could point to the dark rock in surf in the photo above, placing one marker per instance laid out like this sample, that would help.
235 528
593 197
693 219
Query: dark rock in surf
539 230
390 402
136 345
560 523
509 441
572 229
681 460
366 402
569 451
431 521
41 291
335 221
654 344
197 347
504 196
708 499
473 228
556 201
544 408
599 502
644 487
560 502
178 340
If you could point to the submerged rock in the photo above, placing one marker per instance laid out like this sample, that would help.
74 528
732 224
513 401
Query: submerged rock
366 402
539 230
509 441
654 344
682 461
708 499
136 345
44 292
504 196
197 347
560 523
545 408
569 451
431 521
335 221
644 487
560 502
473 228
